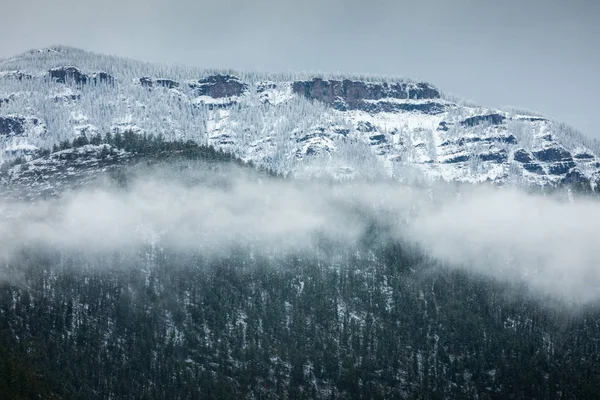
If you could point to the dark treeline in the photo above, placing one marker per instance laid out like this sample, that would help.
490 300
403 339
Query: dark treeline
148 144
147 147
372 320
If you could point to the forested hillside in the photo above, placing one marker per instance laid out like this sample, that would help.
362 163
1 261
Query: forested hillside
373 317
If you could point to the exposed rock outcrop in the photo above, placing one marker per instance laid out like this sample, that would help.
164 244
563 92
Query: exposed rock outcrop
146 81
576 179
168 83
553 154
534 168
264 86
498 156
12 126
493 119
443 126
163 82
71 74
378 139
68 75
351 94
219 86
457 159
583 156
103 77
522 156
365 126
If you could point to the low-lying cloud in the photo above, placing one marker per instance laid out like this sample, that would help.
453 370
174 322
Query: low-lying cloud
550 245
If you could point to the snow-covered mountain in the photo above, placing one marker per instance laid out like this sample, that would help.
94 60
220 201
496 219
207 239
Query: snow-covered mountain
303 124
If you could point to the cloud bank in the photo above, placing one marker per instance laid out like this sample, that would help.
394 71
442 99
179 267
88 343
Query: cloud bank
551 245
547 243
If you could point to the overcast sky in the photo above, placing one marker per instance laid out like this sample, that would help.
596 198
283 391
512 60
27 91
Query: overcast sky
538 54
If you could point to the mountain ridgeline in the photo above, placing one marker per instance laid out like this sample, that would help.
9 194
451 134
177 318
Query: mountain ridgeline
343 127
175 233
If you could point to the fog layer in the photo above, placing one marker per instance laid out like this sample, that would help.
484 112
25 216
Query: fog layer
549 244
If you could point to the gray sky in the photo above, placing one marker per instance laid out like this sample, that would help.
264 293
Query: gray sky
538 54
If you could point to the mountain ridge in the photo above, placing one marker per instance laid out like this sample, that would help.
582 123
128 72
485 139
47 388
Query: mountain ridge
303 124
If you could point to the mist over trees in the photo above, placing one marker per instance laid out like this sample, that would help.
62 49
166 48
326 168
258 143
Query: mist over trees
382 321
361 316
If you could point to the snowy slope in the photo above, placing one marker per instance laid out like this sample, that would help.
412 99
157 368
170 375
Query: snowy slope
302 124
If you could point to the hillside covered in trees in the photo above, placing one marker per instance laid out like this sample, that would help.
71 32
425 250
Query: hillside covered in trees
332 316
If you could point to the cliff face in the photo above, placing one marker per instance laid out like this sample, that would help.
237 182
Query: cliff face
348 94
219 86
